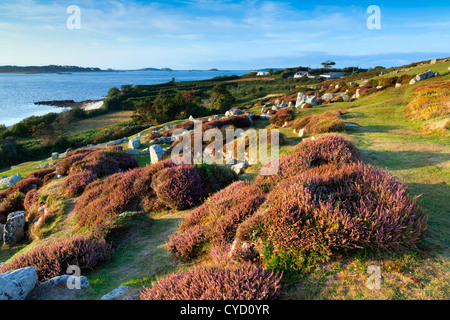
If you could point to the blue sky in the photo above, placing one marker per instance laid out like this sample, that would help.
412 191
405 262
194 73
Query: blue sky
203 34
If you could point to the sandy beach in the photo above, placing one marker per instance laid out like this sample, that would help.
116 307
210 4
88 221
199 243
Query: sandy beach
92 105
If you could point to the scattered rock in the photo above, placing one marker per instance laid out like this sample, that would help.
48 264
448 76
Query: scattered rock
238 167
120 293
291 104
168 127
422 76
64 287
327 96
191 118
14 229
433 61
398 85
55 155
283 105
133 152
134 143
156 153
363 83
301 99
17 284
10 181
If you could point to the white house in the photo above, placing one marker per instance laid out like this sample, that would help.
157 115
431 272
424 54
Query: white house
332 75
262 73
301 74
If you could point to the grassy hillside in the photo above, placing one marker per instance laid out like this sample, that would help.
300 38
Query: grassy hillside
386 138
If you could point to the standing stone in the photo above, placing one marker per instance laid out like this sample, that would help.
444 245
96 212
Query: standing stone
291 105
433 61
283 105
14 229
358 93
301 99
17 284
191 118
134 143
156 153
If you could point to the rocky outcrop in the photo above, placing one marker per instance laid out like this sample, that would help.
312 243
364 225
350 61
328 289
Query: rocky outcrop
14 229
17 284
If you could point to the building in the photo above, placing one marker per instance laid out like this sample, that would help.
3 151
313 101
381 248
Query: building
301 74
332 75
262 73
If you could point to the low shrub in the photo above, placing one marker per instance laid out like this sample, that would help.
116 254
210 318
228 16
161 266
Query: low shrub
281 117
179 187
322 123
53 260
245 282
75 184
327 149
338 207
12 203
105 200
217 220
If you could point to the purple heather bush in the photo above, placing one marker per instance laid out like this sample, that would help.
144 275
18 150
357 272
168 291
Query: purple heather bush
75 184
244 282
346 206
52 261
327 149
179 187
217 219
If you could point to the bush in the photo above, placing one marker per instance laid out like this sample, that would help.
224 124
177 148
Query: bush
281 117
105 200
337 207
75 184
217 220
178 187
323 123
327 149
53 260
245 282
12 203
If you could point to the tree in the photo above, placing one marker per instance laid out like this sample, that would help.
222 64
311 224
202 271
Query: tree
221 98
327 64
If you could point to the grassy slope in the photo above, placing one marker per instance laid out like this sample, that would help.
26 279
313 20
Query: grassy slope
387 139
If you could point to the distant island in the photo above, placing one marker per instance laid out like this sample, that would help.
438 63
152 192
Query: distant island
47 69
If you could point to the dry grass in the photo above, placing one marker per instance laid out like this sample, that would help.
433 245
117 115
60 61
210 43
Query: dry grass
101 121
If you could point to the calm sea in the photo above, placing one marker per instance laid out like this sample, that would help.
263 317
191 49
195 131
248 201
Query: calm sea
18 92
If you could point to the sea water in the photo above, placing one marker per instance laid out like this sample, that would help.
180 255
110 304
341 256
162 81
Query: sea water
18 92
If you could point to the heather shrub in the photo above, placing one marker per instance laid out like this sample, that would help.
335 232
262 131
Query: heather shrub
245 282
241 121
338 207
13 202
188 245
30 200
322 123
39 174
217 220
179 187
215 177
53 260
142 185
107 199
281 117
327 149
75 184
